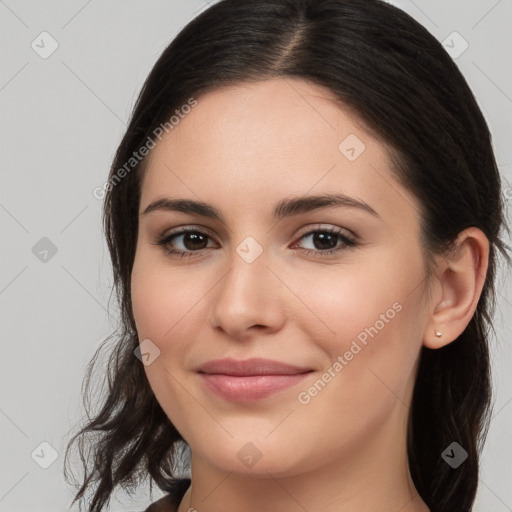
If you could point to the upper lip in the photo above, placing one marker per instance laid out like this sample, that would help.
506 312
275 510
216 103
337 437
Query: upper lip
248 367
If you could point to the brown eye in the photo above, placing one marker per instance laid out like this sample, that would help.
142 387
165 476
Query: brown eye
326 241
192 241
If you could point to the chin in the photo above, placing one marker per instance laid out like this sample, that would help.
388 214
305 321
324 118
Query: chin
248 456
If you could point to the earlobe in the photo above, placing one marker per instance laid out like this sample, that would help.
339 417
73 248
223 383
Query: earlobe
459 280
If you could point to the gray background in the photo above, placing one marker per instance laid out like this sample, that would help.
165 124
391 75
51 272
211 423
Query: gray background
62 119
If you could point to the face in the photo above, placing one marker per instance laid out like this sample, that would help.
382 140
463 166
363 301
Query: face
337 290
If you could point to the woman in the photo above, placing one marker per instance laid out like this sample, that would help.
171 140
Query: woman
304 219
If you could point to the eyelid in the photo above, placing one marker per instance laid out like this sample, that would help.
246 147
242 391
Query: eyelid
305 230
328 227
348 238
188 227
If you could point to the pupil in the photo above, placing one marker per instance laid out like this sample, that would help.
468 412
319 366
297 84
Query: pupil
321 241
322 237
195 238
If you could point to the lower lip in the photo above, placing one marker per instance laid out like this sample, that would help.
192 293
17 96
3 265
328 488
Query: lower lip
247 388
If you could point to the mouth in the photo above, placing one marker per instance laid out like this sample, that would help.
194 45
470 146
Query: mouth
251 367
251 379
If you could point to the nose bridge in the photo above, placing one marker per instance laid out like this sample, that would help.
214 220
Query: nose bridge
246 295
248 276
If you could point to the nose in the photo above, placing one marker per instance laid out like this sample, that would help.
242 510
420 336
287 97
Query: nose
248 300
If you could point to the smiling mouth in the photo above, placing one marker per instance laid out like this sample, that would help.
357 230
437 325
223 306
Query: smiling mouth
245 388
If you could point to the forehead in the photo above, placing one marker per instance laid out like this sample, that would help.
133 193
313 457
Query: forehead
249 145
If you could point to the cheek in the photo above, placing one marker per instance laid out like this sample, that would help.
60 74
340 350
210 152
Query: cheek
165 306
147 304
163 300
373 319
370 356
345 300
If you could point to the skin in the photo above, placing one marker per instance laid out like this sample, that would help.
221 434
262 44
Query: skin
243 149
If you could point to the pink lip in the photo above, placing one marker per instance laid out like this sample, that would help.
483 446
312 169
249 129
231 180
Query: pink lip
249 379
253 366
244 389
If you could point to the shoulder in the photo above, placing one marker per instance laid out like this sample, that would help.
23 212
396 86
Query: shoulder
176 489
164 504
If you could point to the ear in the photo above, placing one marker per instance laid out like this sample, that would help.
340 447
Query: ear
456 287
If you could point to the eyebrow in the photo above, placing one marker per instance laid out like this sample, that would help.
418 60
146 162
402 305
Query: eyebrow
284 208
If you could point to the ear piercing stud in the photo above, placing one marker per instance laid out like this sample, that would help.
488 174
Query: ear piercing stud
438 334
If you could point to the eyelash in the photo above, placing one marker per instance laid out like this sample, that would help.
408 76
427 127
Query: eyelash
347 241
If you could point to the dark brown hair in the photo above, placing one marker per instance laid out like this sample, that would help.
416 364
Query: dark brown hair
400 82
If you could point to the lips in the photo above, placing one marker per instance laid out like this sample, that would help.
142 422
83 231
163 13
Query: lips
249 379
250 367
